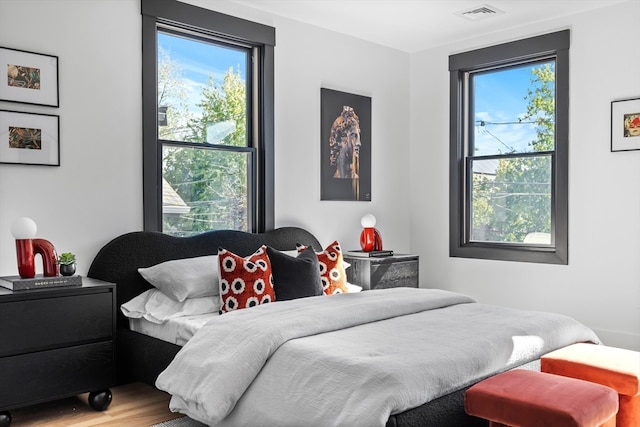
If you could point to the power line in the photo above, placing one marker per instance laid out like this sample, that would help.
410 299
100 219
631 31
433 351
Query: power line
511 149
484 123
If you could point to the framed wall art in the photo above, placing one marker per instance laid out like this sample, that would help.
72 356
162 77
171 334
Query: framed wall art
625 124
345 138
28 77
29 138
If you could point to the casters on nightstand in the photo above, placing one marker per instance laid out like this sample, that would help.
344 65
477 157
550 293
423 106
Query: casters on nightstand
5 419
99 400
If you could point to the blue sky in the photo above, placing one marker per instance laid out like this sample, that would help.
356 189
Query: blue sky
500 98
198 60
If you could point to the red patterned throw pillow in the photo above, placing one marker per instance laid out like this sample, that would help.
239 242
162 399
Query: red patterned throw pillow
332 273
245 281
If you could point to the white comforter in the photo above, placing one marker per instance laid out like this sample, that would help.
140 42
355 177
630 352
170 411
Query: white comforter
352 359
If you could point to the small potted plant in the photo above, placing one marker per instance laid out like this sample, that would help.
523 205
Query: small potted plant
67 262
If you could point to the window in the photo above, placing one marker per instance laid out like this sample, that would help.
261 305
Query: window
207 120
509 151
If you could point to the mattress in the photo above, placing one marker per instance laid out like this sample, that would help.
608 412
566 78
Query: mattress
178 330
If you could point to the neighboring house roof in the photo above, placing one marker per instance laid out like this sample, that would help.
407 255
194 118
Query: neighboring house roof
486 167
172 203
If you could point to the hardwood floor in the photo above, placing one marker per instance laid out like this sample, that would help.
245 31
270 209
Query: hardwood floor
133 405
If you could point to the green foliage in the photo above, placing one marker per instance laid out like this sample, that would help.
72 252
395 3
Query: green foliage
517 201
210 179
66 258
219 104
542 106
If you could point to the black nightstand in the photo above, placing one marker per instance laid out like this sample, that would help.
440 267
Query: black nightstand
385 272
56 343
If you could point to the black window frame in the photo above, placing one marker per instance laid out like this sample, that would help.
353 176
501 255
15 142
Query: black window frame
554 45
177 15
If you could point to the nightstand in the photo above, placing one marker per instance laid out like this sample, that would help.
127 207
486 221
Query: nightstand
56 343
383 272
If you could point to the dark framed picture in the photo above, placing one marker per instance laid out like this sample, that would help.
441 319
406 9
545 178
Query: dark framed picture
28 77
345 141
29 139
625 124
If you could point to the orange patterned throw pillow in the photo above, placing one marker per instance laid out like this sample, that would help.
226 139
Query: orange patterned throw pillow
332 273
245 282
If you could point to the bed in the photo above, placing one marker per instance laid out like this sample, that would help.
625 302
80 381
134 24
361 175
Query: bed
299 344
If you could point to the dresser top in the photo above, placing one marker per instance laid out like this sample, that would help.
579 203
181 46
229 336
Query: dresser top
89 285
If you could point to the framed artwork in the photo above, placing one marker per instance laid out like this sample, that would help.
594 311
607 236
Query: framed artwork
28 77
625 124
29 138
345 141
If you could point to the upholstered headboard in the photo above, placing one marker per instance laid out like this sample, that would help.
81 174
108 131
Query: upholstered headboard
118 261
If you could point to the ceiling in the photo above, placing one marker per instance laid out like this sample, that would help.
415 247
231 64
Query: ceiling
414 25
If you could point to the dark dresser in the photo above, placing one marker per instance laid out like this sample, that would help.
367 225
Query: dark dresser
55 343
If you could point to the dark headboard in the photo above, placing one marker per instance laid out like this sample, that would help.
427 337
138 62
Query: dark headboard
118 261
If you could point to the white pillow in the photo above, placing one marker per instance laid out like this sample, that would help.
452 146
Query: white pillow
156 307
353 288
185 278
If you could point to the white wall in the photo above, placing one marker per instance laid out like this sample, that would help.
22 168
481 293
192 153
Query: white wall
601 284
96 193
325 59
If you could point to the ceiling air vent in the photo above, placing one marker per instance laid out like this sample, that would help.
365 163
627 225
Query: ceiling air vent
480 12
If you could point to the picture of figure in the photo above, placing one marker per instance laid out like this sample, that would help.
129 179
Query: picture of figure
345 152
344 144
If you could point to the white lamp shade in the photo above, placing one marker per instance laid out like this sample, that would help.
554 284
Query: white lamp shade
368 221
24 228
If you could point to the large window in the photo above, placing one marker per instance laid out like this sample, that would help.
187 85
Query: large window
509 146
208 120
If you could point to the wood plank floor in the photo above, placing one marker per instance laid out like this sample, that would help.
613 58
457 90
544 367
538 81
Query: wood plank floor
133 405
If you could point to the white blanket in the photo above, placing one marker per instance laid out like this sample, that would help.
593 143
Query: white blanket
351 359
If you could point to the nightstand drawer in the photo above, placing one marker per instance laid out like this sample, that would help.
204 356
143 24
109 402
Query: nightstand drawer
54 322
392 275
384 272
29 378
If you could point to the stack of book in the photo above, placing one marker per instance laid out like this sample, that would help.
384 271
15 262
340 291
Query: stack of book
17 283
370 254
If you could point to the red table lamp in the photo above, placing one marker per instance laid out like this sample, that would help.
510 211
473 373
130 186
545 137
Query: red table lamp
370 239
24 230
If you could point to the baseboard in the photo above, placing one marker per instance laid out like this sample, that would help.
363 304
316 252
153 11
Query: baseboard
619 339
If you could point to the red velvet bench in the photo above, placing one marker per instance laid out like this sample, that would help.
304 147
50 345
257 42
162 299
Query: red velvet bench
617 368
534 399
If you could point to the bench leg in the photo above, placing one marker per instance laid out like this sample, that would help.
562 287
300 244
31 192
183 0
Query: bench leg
629 412
611 422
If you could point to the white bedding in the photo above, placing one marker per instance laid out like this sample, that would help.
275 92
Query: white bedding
352 359
154 314
177 330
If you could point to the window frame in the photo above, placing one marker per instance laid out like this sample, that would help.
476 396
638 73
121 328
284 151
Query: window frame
554 45
176 15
